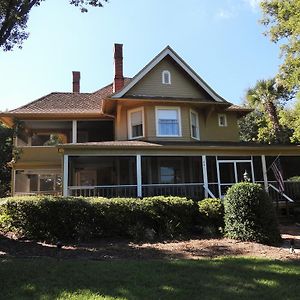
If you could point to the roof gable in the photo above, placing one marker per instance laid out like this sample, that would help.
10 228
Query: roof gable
156 62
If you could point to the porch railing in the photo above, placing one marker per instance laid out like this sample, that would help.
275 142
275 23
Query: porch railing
194 191
108 191
190 190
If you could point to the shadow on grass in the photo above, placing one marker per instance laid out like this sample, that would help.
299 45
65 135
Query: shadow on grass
106 249
224 278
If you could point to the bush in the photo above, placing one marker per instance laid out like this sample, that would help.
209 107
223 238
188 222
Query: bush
212 213
58 218
250 214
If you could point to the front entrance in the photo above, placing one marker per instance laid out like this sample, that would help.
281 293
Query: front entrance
232 171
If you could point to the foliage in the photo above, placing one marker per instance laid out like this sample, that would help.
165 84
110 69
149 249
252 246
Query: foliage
266 123
6 137
290 117
53 140
212 212
267 95
250 215
14 15
50 218
283 24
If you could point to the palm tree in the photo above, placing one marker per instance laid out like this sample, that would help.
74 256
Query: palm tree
267 95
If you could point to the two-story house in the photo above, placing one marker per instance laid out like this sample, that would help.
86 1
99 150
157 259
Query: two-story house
162 132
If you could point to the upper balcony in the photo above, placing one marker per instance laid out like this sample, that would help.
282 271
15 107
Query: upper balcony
50 133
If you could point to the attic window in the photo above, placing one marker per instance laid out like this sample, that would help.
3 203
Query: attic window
166 77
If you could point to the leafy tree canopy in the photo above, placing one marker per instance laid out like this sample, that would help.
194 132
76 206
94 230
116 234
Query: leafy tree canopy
282 19
14 15
264 124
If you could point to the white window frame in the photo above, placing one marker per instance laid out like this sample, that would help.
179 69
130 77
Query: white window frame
129 112
197 137
157 108
163 77
225 120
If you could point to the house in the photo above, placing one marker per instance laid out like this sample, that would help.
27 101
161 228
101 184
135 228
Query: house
163 132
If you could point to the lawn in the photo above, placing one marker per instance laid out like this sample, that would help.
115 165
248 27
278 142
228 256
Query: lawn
223 278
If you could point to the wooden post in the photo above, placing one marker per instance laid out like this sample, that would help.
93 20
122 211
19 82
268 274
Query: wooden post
139 175
66 176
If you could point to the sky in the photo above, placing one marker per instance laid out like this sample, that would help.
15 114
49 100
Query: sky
222 41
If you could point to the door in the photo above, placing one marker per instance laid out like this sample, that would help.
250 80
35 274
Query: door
233 171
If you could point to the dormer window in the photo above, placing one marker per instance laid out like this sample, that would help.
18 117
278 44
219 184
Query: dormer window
136 123
222 120
166 77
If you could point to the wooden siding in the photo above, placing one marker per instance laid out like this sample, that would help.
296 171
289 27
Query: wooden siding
208 124
181 85
39 157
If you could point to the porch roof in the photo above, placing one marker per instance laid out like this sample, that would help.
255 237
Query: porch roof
201 145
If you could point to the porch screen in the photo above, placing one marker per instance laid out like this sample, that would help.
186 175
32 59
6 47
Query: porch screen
136 124
168 123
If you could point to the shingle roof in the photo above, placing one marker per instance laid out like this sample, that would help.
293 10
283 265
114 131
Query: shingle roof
67 103
234 107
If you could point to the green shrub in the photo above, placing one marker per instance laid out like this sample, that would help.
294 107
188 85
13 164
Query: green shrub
212 213
58 218
250 214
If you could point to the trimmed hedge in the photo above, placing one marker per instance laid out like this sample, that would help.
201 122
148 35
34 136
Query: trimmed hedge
58 218
212 213
250 214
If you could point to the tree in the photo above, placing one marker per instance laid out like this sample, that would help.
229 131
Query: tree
266 96
6 137
291 118
282 19
14 15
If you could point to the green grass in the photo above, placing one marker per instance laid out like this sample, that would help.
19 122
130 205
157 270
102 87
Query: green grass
224 278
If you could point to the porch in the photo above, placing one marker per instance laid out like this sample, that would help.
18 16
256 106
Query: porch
193 177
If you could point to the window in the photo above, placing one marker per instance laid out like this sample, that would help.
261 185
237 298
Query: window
166 77
194 125
136 123
222 120
168 121
170 171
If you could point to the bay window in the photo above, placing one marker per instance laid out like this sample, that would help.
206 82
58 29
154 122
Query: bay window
194 120
136 123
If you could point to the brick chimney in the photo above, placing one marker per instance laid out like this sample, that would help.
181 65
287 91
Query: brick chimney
118 63
76 82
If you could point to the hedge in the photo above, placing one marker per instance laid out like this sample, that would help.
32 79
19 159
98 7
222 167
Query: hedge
58 218
212 214
250 214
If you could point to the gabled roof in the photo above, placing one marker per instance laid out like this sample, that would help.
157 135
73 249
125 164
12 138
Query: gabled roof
169 51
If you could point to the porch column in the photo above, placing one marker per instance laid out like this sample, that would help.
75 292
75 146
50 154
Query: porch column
13 182
264 169
139 175
205 178
66 176
74 131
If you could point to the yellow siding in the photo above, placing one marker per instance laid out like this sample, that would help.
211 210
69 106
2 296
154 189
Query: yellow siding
181 85
208 125
39 157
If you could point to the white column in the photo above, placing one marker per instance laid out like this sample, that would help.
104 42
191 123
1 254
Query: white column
13 180
74 131
264 169
205 177
66 176
139 175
